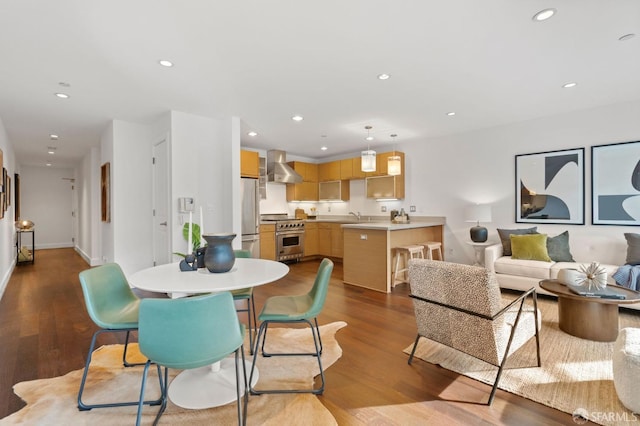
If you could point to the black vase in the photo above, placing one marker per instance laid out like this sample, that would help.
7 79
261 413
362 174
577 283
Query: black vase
219 256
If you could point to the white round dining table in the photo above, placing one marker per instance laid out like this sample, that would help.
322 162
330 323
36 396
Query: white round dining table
214 385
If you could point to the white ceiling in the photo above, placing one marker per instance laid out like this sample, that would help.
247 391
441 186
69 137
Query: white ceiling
266 61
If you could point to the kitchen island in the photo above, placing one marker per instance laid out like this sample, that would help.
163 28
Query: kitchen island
368 249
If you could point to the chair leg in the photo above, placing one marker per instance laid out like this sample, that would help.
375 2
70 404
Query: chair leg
85 407
255 322
164 384
241 399
262 334
124 353
413 351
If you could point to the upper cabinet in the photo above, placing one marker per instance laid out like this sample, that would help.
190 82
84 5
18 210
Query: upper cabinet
249 164
337 190
308 171
391 187
333 177
329 171
307 190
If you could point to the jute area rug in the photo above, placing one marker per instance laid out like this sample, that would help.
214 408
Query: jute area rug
576 374
54 401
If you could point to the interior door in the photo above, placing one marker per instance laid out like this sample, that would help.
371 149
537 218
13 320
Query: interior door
161 219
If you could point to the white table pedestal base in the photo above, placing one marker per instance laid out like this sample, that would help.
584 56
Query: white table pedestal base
209 386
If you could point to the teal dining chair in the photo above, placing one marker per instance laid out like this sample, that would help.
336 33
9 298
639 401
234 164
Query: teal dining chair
190 333
295 309
246 295
113 307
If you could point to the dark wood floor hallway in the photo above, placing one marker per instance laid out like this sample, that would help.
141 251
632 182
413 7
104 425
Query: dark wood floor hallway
45 332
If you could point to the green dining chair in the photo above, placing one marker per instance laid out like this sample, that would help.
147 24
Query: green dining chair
190 333
295 309
113 307
246 294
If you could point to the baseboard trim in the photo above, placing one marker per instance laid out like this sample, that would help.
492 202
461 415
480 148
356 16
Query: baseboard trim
6 278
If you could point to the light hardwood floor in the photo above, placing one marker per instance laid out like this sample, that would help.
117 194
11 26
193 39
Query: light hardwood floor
45 332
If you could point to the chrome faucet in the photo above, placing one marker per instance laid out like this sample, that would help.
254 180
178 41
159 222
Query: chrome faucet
357 215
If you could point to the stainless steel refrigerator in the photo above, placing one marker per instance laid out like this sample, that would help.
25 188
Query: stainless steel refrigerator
250 194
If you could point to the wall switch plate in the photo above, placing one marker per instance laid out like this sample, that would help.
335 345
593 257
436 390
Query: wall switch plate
412 208
383 209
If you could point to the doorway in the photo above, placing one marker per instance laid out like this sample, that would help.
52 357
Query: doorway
161 216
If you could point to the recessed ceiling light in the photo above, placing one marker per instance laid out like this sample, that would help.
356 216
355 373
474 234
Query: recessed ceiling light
165 63
627 37
64 84
324 148
297 118
48 164
62 95
383 77
51 150
543 15
53 137
451 113
252 134
569 85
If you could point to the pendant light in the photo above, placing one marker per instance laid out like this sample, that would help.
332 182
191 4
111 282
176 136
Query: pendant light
394 165
368 160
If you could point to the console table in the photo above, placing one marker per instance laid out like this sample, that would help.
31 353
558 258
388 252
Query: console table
32 257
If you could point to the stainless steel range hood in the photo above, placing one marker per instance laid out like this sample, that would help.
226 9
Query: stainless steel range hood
278 171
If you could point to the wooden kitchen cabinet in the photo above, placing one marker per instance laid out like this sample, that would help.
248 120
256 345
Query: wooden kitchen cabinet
308 171
268 241
311 239
249 164
356 168
324 239
346 169
329 171
391 187
337 240
330 239
305 191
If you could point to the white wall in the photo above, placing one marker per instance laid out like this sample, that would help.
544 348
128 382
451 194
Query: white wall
7 229
46 199
205 156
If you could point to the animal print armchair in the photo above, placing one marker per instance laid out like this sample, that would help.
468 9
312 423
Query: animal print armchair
460 306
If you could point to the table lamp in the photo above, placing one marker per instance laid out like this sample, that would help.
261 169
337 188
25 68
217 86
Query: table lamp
478 213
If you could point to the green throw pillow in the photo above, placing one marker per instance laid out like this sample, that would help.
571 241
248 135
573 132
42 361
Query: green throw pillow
529 247
558 248
633 248
506 242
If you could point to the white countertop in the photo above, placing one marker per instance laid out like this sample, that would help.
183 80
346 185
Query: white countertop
391 226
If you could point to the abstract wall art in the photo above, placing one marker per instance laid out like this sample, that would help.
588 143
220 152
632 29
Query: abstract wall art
550 187
615 183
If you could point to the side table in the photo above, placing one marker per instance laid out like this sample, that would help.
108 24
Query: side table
479 248
32 253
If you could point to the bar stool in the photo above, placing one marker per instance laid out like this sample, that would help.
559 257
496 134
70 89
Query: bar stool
413 252
431 247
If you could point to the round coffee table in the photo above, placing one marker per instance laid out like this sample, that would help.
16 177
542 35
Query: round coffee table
591 318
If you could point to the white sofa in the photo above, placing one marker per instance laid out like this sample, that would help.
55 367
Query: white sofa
519 274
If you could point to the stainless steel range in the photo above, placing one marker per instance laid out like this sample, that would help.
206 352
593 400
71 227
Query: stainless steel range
289 236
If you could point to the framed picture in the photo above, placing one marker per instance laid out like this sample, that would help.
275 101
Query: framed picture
105 187
615 184
16 192
550 187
